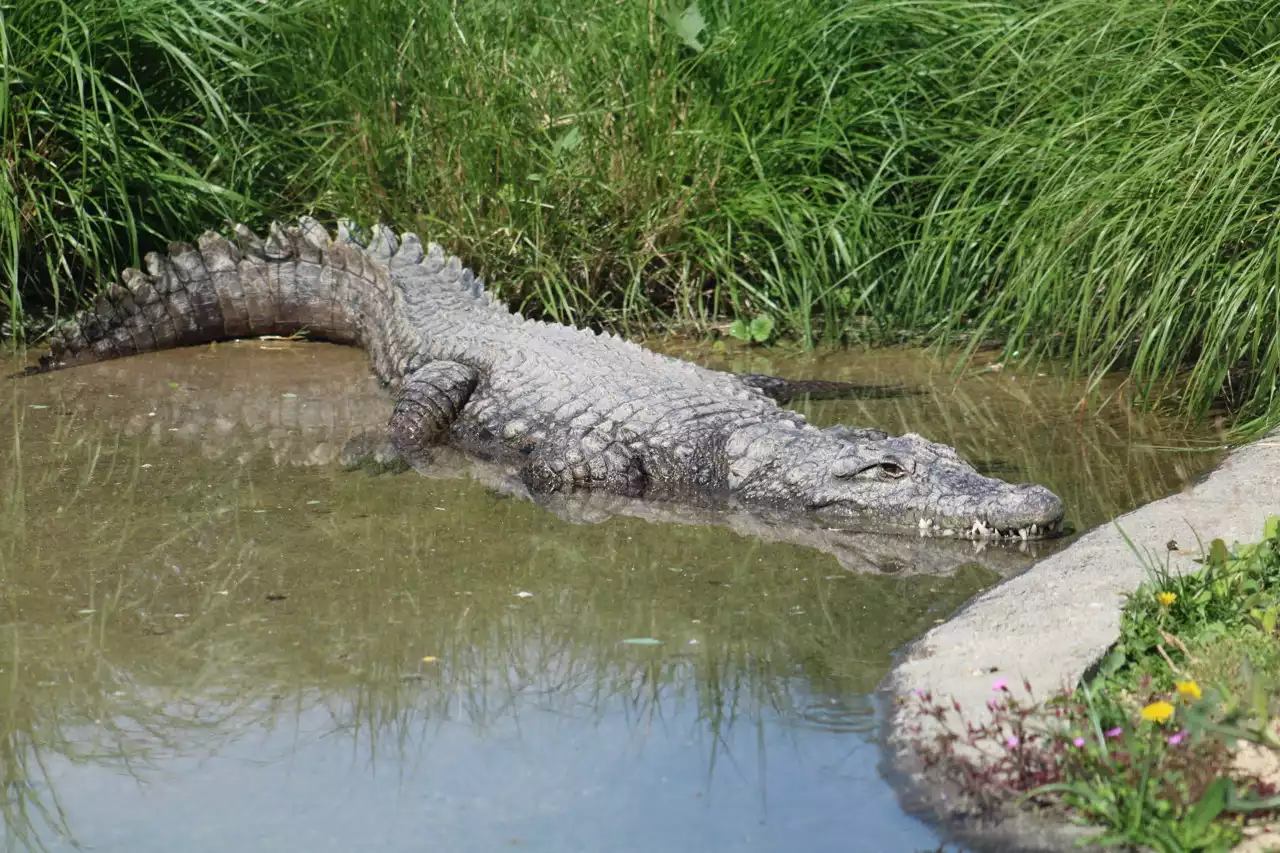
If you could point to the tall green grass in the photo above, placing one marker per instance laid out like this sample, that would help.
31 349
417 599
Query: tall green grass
1092 180
125 123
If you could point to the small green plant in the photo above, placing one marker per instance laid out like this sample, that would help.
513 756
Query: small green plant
1159 785
759 330
1147 780
1235 592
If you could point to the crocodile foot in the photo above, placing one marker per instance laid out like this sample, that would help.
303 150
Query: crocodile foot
372 452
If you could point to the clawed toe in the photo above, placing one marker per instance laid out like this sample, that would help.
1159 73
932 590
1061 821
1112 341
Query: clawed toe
374 453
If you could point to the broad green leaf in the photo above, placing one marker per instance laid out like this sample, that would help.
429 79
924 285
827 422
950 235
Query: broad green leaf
1218 553
1210 805
688 25
761 328
568 141
1114 662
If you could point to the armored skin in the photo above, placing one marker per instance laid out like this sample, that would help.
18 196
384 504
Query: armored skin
570 408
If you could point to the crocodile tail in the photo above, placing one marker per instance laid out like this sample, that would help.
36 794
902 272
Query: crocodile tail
297 280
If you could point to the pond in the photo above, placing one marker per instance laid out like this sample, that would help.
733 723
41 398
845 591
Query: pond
213 638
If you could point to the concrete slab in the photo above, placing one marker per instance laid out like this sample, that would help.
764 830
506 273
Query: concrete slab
1053 622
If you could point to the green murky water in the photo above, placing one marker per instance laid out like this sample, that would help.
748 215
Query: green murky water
213 639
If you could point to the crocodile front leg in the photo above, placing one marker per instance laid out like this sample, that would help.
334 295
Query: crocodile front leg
429 402
573 459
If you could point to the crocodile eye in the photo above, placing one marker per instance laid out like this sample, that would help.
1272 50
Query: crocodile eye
880 469
891 471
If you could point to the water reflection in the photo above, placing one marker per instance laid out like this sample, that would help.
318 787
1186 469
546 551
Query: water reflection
212 638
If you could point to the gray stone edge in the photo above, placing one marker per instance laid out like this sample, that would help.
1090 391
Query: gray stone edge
1054 622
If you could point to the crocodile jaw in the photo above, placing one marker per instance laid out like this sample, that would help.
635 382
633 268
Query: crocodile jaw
1011 512
903 484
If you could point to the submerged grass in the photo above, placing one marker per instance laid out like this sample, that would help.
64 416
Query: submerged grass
1088 180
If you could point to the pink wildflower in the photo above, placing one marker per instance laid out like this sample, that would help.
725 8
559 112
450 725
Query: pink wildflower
1116 732
1000 684
1078 741
1174 740
1012 740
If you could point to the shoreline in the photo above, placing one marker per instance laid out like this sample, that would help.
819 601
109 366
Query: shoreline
1054 622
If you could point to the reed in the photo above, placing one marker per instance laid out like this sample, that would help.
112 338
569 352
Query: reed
1085 180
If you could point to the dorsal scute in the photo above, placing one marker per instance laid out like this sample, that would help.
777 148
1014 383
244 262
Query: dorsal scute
161 271
250 244
404 253
410 252
218 252
278 245
135 280
383 243
349 232
313 233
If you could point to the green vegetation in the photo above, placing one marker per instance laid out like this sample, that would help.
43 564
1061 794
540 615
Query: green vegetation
1176 624
1088 179
1174 744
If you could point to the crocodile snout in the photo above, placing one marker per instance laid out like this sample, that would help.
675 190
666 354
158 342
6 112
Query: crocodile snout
1025 505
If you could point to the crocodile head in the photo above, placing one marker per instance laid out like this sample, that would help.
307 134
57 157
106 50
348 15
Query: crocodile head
871 481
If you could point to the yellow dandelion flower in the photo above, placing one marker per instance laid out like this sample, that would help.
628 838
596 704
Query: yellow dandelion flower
1166 598
1188 689
1157 712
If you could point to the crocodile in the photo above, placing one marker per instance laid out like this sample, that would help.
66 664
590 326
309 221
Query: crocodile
252 405
572 409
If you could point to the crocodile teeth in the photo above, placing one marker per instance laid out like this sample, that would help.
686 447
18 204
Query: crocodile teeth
948 532
924 524
1022 532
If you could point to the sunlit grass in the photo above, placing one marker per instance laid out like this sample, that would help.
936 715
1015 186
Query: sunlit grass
1090 180
124 124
